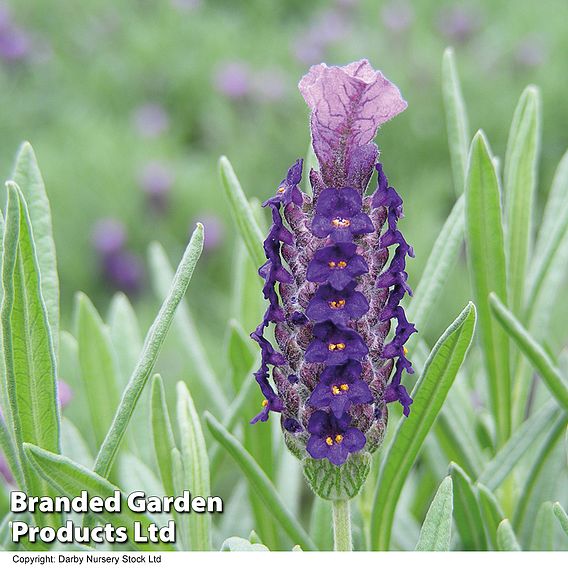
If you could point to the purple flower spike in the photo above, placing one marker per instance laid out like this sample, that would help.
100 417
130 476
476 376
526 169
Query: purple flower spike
337 264
332 438
338 306
334 345
348 105
340 387
334 278
338 213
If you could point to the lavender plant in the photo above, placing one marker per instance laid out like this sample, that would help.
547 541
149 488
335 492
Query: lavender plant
475 446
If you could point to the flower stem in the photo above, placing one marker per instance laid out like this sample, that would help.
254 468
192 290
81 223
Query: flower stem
342 526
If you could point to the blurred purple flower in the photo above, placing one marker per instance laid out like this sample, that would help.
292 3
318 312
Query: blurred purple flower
397 16
329 27
109 236
151 120
233 79
124 271
214 231
14 41
459 23
530 52
269 85
64 395
156 181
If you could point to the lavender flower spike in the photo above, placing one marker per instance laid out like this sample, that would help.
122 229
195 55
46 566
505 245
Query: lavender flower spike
333 294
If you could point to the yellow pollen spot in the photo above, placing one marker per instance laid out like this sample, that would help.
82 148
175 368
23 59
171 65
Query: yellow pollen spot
344 387
281 190
336 304
340 222
329 441
405 350
336 346
335 390
264 402
338 438
341 264
331 264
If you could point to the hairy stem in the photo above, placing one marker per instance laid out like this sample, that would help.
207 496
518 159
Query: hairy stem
342 526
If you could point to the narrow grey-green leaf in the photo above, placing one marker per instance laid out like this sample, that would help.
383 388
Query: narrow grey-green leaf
524 438
69 478
29 358
241 211
10 455
321 524
520 178
491 512
125 334
195 464
561 515
456 119
549 260
260 483
162 434
536 354
543 530
466 511
436 531
73 445
238 544
179 481
152 345
99 368
506 539
527 506
484 233
240 353
311 162
438 266
28 177
429 394
162 277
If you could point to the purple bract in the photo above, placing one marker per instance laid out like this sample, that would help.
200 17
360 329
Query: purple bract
331 289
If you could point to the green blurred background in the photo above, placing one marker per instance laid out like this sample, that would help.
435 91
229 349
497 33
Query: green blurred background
129 105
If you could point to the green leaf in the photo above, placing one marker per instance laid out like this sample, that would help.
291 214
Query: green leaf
125 334
520 178
241 211
484 233
506 539
523 439
310 162
162 277
99 368
551 252
73 445
179 481
456 119
260 483
436 531
536 355
239 354
238 544
195 465
321 524
543 531
152 345
466 511
27 176
429 394
162 434
29 358
526 507
438 266
491 512
10 455
561 515
69 479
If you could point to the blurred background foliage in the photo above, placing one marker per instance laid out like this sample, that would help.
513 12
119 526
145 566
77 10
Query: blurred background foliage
129 104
